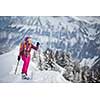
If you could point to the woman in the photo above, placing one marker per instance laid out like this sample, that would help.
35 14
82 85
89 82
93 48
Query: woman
24 53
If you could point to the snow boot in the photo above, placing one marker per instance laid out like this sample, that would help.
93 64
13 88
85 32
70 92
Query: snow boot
24 76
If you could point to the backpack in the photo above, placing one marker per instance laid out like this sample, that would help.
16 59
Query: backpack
23 49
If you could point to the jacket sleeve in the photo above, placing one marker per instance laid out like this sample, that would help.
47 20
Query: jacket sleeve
34 47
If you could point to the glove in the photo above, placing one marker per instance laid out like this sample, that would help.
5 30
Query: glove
37 44
18 58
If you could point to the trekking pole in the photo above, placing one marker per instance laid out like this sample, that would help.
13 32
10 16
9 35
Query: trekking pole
16 67
40 61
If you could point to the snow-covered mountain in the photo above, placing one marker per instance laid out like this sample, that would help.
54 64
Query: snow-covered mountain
79 35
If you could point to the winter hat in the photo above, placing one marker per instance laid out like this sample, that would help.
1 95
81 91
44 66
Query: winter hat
26 38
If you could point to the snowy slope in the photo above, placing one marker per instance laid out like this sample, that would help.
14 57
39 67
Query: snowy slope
8 64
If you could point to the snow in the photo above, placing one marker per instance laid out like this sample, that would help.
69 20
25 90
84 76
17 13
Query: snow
87 19
8 63
88 61
44 77
72 41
